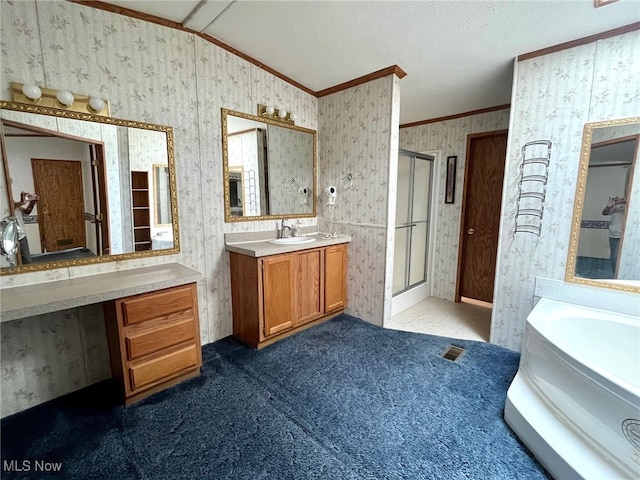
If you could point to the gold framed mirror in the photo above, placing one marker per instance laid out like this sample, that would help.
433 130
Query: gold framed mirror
82 187
604 247
269 168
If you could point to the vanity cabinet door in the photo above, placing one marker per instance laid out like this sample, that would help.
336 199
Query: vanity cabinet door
335 278
309 300
278 295
279 281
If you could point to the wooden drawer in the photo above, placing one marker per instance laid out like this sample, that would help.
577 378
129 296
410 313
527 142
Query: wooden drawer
157 304
146 341
164 367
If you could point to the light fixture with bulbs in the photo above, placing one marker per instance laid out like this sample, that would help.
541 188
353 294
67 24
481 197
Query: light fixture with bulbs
32 91
32 94
276 113
65 97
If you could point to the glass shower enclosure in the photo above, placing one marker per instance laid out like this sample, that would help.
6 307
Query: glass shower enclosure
413 207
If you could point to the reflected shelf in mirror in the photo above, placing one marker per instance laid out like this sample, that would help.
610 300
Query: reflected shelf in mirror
80 166
269 168
604 245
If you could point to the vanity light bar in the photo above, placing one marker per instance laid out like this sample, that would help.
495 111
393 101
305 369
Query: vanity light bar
63 99
274 113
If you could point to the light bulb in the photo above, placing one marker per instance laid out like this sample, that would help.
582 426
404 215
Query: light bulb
293 117
270 109
96 104
282 113
31 91
65 97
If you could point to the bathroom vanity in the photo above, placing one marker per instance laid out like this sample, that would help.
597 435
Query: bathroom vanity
280 289
154 339
151 316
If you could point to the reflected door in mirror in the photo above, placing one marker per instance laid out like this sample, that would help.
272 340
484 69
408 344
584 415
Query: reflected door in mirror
162 195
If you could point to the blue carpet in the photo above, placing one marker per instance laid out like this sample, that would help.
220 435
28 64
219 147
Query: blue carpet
342 400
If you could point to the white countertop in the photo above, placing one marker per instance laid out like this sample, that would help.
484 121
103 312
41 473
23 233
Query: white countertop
36 299
262 248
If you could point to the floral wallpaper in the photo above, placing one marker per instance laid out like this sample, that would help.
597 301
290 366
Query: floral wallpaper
358 131
154 74
450 138
554 96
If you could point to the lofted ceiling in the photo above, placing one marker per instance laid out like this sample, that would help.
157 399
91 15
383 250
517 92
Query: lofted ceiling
458 55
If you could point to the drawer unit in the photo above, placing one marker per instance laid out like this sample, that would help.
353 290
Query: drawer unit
156 305
154 340
157 369
160 335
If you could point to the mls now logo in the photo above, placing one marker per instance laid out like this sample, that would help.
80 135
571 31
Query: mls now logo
28 466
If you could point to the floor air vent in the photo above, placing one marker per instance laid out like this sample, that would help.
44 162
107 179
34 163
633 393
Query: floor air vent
453 353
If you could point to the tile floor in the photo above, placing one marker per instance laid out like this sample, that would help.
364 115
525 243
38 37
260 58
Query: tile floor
448 319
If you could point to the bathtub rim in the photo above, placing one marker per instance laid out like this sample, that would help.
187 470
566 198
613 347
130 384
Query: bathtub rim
547 310
560 450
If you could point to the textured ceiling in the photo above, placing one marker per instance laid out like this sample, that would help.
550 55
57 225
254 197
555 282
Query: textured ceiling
458 55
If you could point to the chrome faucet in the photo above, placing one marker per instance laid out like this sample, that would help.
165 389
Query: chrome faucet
283 229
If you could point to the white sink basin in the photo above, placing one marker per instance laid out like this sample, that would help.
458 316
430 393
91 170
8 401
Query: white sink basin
292 240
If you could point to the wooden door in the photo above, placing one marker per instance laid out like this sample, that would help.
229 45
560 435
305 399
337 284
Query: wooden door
309 304
58 183
335 278
278 283
482 199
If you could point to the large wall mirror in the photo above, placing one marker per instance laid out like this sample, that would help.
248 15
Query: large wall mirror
269 168
85 188
605 236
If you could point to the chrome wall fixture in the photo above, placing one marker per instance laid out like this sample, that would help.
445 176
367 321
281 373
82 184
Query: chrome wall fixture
31 93
347 182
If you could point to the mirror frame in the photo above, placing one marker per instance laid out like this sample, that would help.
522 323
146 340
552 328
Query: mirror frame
55 112
578 206
225 167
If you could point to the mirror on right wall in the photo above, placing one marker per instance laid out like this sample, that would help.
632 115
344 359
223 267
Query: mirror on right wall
269 168
604 247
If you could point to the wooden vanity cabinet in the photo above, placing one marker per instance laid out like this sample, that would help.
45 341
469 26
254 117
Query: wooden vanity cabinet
278 279
335 278
154 340
277 295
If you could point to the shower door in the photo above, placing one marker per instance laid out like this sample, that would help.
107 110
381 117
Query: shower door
413 204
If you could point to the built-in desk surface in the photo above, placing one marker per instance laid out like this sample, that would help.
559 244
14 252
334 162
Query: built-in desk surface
36 299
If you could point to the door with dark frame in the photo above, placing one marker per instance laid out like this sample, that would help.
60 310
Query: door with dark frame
61 204
482 198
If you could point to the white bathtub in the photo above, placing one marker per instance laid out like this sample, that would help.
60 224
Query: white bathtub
575 401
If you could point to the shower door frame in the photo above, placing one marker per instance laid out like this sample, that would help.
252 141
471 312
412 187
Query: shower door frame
428 157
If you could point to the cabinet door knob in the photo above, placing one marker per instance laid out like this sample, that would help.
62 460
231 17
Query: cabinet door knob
471 231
